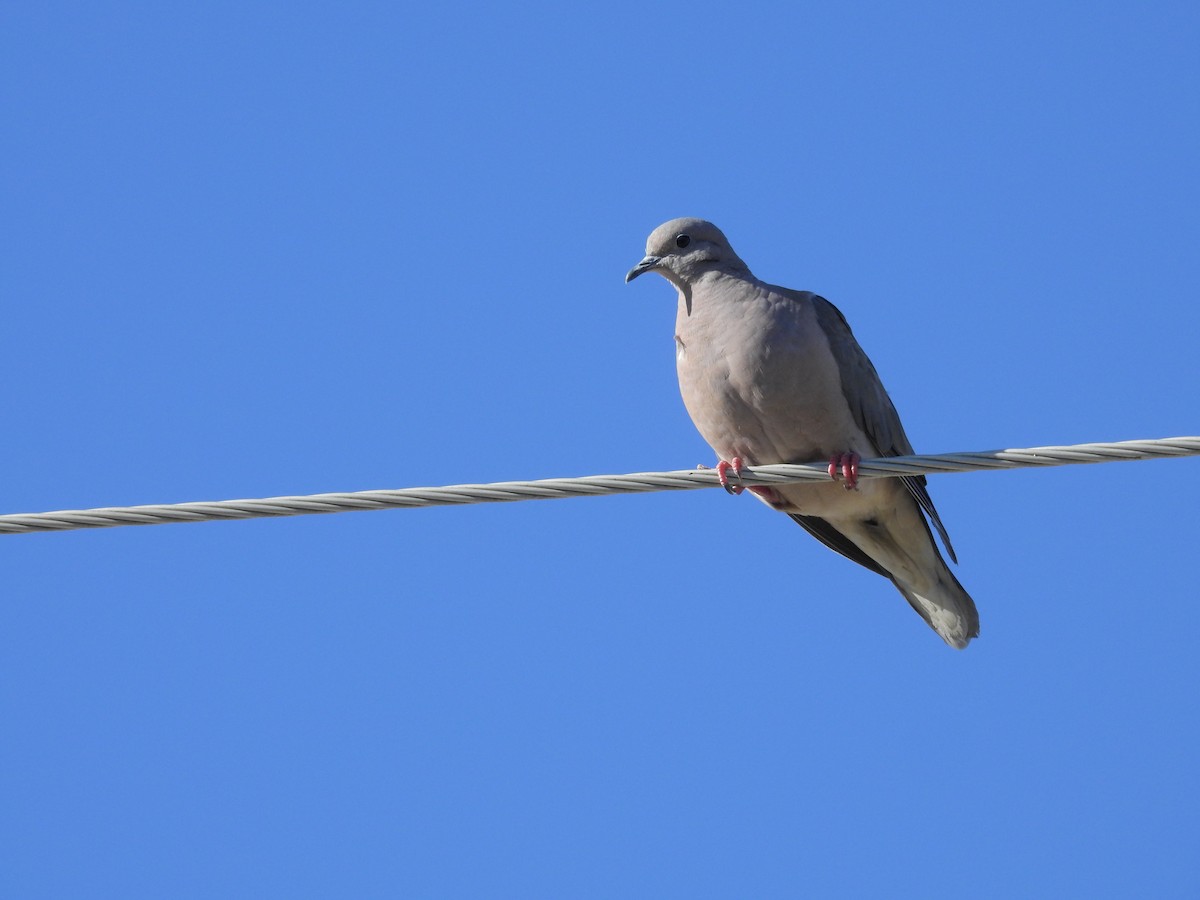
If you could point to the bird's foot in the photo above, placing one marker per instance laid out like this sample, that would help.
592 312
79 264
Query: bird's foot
723 469
770 495
845 465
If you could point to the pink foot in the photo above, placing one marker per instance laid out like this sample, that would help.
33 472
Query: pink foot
846 465
723 468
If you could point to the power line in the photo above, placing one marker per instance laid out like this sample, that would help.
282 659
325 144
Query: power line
588 486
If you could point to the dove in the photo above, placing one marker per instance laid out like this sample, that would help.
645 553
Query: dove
773 375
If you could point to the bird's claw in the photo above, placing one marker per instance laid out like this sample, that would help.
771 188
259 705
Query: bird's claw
845 465
723 469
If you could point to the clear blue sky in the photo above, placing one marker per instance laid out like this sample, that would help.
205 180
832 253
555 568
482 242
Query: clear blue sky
255 249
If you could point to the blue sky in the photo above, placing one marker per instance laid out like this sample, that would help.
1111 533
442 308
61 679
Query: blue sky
257 249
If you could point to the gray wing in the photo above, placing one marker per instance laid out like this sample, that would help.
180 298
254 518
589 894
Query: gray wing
869 402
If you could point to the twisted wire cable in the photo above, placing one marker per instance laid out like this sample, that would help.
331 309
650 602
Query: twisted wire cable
589 486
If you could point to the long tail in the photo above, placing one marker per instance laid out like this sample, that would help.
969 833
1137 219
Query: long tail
947 607
942 601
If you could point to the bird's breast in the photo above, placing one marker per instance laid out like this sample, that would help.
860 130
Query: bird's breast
759 379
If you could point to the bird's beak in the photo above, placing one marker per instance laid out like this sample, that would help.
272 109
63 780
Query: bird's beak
650 262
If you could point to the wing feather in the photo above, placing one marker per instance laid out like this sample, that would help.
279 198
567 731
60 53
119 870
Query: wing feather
870 405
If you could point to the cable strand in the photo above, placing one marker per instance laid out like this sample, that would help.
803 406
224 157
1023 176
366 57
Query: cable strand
590 486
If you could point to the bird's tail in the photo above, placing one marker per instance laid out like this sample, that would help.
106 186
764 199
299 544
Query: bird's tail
946 606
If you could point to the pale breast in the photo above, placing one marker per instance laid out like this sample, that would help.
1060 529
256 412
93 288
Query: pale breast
757 375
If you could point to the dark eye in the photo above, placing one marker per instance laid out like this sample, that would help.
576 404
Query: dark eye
682 241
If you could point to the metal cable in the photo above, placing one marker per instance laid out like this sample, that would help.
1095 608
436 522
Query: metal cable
588 486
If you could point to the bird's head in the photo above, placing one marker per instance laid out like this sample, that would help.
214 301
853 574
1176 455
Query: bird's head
683 249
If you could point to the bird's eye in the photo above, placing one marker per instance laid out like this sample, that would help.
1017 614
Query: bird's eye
682 241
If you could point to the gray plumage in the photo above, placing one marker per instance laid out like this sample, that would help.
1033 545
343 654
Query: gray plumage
772 375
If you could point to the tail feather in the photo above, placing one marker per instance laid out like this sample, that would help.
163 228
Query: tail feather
947 607
941 601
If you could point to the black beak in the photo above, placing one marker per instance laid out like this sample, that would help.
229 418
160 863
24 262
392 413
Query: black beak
650 262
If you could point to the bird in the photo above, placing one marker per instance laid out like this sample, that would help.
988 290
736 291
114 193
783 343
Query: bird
774 375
